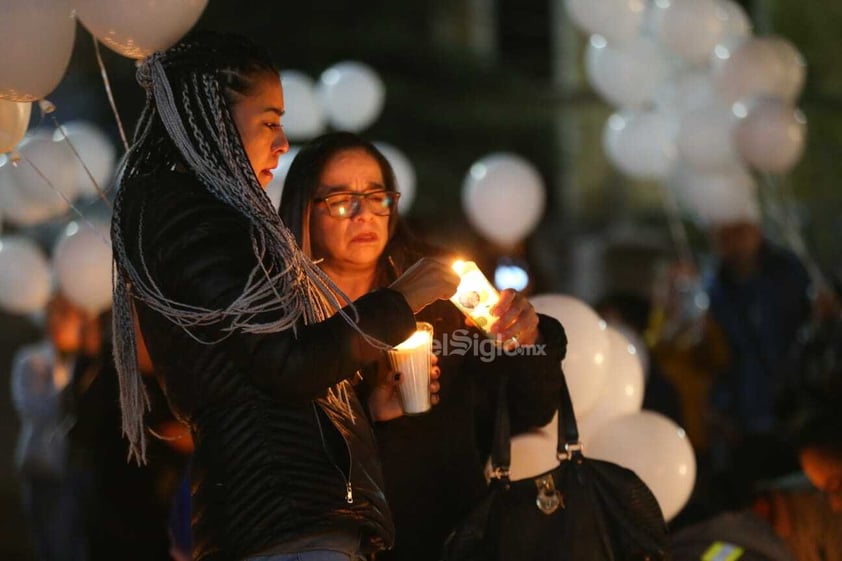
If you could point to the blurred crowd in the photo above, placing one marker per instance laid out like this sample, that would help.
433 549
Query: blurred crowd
747 357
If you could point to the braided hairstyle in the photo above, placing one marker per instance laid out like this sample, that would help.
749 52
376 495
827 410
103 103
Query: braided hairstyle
187 123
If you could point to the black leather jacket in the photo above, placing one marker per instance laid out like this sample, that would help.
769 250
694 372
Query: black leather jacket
273 460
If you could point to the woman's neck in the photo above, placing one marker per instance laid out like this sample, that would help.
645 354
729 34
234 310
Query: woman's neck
353 282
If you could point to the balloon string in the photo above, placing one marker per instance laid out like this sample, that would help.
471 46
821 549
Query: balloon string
66 199
782 213
677 229
107 84
99 189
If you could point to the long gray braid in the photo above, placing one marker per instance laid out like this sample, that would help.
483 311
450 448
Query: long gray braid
187 122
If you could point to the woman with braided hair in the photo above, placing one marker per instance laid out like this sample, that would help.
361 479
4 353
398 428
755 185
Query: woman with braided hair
234 317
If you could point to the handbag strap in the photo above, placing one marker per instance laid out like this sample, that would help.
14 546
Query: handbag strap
501 445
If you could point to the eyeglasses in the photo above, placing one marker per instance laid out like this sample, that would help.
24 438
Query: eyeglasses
350 204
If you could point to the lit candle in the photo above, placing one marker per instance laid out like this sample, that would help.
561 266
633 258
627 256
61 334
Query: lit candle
417 339
475 296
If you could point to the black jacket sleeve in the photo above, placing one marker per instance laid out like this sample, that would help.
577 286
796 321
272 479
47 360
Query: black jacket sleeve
199 252
535 380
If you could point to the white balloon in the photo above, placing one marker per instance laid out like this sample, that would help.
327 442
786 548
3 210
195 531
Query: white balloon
14 120
25 284
534 452
622 391
404 174
275 189
586 364
689 28
706 138
656 449
635 339
36 39
641 145
627 75
91 149
771 135
137 28
503 197
616 20
304 118
685 91
82 262
759 66
17 209
737 22
351 94
718 197
46 175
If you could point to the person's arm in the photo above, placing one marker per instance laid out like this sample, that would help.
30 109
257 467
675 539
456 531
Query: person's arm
535 380
301 367
199 252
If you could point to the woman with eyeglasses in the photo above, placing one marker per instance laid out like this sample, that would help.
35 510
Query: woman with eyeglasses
340 202
236 319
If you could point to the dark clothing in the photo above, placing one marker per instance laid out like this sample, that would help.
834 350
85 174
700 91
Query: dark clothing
274 460
126 506
434 463
760 317
731 535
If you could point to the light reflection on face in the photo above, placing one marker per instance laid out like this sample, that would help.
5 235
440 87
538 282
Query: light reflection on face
257 117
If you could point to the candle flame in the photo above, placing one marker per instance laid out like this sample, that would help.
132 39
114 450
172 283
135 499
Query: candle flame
417 339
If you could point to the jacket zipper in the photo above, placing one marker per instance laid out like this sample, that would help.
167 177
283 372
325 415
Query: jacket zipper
349 491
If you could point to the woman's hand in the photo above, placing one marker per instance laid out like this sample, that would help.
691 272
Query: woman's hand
384 401
425 282
517 321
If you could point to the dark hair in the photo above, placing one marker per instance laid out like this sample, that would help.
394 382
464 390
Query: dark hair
817 420
198 64
819 428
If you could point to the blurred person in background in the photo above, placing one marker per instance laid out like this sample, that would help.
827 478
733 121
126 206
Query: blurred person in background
759 296
41 378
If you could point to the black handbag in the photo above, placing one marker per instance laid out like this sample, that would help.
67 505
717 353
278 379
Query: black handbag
583 510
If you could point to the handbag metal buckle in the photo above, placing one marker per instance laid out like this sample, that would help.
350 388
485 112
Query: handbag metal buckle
569 448
549 498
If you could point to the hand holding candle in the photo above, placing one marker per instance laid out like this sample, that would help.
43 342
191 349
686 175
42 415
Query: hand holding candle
507 316
516 320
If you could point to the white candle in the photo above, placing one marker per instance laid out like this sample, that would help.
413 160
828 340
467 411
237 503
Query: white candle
475 296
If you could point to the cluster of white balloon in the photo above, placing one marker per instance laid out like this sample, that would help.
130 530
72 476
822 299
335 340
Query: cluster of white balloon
36 39
700 98
80 265
57 169
604 369
49 170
